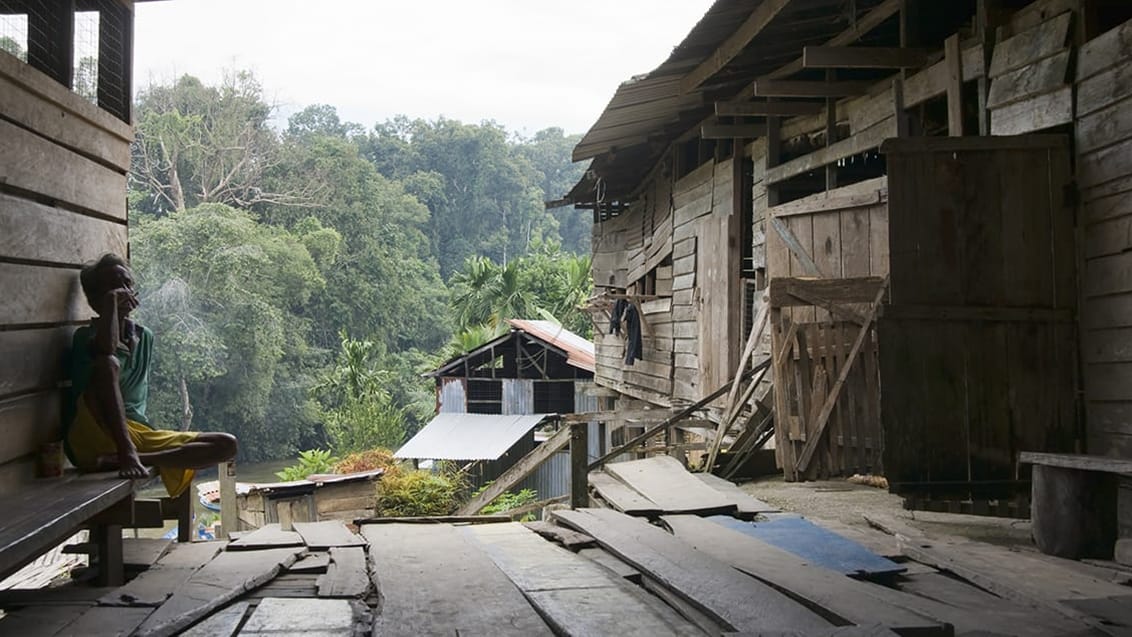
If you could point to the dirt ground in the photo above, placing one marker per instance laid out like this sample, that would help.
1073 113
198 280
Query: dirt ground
837 503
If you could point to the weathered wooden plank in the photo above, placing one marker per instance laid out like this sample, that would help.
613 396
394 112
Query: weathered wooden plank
736 601
798 88
40 620
732 131
577 596
1034 114
105 621
1036 79
566 537
862 57
155 585
1082 462
1104 51
611 563
223 623
1030 46
621 496
275 617
1111 163
41 295
30 163
432 580
1105 89
755 22
1105 127
858 143
228 576
327 534
142 553
267 536
347 575
38 232
745 503
666 482
32 358
822 590
313 563
765 109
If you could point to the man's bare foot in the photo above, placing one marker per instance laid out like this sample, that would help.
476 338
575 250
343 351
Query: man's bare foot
127 467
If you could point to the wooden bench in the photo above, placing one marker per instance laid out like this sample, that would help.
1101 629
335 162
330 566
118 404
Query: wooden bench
45 512
1075 505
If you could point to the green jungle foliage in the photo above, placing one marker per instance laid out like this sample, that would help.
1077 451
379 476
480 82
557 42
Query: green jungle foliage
300 279
509 501
311 462
419 493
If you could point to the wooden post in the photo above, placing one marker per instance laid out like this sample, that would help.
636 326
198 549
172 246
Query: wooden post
108 539
229 516
183 504
579 465
954 63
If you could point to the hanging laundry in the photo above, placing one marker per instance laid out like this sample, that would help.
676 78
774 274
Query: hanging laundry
625 312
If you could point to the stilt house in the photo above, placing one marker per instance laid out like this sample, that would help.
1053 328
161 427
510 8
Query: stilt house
927 204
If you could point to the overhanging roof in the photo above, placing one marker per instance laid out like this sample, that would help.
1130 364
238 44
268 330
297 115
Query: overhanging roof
469 436
578 351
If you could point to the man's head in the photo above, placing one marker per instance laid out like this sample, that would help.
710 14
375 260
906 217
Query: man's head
110 272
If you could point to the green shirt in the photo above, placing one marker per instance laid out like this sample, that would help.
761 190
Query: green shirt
134 374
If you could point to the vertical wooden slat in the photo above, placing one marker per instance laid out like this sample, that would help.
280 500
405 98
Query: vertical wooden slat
51 37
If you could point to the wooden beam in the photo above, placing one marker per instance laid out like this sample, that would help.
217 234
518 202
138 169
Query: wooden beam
765 109
687 411
799 88
862 57
954 61
867 23
521 469
579 459
795 248
814 437
734 44
732 131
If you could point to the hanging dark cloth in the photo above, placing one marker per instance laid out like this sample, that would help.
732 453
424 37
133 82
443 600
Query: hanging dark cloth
625 312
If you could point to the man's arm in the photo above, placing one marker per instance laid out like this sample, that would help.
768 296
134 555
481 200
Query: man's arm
109 407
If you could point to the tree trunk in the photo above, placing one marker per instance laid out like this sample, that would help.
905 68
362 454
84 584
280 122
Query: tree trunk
186 406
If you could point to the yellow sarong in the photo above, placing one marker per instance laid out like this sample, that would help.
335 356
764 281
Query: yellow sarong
87 441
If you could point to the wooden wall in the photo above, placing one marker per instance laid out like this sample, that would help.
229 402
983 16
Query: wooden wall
63 169
1104 179
977 352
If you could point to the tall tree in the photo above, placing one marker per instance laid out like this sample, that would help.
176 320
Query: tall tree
222 294
549 152
200 144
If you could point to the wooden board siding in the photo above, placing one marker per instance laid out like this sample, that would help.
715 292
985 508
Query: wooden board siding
1030 88
62 202
1104 167
977 351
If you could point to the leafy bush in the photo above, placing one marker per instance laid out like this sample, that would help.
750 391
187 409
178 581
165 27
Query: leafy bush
418 493
310 462
508 500
367 461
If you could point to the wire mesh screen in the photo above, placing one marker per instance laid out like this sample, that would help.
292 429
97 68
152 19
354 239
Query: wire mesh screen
84 75
87 51
14 35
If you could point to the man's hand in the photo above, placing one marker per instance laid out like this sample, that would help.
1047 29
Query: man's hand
130 466
123 299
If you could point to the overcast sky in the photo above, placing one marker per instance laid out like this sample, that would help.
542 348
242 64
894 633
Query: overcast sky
527 64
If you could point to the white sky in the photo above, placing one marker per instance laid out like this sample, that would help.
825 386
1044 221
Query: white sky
527 64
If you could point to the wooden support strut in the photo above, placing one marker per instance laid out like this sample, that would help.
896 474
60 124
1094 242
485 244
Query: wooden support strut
732 408
815 436
684 413
517 472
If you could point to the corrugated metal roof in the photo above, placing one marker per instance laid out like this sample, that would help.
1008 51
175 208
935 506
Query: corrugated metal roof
579 351
469 436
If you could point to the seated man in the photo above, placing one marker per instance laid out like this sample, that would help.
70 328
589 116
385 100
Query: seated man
104 422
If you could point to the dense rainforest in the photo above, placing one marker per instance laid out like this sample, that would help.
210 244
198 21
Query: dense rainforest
300 276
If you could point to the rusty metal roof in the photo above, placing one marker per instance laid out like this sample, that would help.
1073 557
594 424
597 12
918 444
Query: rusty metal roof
579 351
469 436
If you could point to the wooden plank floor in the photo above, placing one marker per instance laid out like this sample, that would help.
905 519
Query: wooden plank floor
695 577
